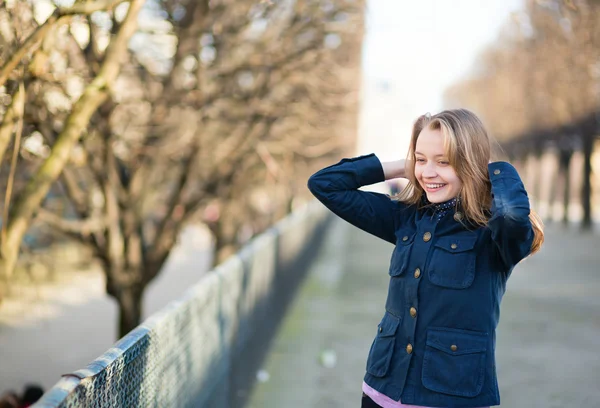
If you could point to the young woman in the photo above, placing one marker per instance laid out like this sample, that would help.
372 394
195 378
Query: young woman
460 227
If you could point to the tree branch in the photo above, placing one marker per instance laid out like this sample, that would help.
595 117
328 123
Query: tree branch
81 228
60 16
176 201
88 8
75 194
12 115
94 95
13 165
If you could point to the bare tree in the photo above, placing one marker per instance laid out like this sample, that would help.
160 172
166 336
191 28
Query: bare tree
221 110
30 198
540 83
542 72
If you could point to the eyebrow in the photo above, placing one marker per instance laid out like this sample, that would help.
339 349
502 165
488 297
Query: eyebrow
437 155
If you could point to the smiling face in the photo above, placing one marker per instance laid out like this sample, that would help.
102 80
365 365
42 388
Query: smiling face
433 171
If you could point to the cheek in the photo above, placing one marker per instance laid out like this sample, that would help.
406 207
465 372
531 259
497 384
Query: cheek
417 172
451 177
456 182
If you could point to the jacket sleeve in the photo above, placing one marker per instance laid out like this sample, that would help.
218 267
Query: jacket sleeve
510 225
337 187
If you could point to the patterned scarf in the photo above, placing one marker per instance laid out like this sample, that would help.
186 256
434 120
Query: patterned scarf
440 209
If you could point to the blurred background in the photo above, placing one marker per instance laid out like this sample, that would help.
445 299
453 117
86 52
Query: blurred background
142 142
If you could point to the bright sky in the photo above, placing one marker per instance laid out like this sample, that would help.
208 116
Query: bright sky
415 49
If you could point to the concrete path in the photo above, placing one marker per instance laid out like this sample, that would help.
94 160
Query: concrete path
548 352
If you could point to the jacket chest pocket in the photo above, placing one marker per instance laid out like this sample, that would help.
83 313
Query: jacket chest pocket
382 348
452 263
399 262
454 361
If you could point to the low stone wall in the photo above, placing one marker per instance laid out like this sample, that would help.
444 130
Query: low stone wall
203 350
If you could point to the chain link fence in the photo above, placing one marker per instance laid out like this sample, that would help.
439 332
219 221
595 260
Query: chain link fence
203 350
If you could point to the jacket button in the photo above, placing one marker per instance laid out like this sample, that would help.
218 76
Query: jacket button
458 216
413 312
380 329
453 347
409 348
497 171
427 236
405 238
417 273
453 246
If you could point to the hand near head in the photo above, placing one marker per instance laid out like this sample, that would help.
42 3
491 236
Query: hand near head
395 169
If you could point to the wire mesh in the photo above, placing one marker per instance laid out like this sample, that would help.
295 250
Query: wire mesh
185 355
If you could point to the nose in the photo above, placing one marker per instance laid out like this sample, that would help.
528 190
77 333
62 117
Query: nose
429 170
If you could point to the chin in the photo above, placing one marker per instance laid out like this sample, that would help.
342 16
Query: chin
436 199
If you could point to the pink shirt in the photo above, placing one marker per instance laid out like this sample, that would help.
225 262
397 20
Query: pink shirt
384 401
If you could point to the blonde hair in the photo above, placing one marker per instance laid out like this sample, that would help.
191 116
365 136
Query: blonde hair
468 147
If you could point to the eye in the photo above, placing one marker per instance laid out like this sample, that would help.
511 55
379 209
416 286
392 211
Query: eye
444 162
420 160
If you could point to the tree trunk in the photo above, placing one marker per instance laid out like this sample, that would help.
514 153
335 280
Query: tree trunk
224 234
125 280
586 198
129 300
9 250
224 248
565 160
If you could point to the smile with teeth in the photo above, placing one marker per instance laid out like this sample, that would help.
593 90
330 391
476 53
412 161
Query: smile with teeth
433 187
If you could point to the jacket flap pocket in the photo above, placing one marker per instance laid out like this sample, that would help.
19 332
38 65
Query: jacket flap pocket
454 361
388 325
456 341
456 244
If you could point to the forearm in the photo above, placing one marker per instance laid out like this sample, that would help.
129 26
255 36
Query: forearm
338 188
394 169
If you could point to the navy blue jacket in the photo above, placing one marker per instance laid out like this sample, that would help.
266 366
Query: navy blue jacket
436 341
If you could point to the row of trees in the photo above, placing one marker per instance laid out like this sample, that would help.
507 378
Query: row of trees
543 71
538 86
146 115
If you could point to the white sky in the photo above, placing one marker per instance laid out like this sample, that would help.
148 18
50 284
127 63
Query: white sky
418 48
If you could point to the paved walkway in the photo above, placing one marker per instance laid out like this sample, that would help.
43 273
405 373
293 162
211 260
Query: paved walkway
548 352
